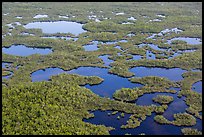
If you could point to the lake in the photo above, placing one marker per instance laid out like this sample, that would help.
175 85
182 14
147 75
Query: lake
57 26
104 89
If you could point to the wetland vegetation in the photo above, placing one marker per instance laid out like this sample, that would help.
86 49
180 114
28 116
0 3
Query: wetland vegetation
109 55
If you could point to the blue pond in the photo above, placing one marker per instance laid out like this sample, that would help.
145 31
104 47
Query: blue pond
104 89
106 60
173 74
6 65
197 87
22 50
150 55
137 57
153 46
92 46
57 26
192 41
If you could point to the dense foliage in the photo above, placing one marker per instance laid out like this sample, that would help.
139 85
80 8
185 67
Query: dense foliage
58 106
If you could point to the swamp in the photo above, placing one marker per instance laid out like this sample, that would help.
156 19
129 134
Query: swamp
108 68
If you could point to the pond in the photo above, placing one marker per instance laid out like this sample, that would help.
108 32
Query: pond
197 87
173 74
7 66
135 57
22 50
150 55
153 46
92 46
57 27
191 41
104 89
179 52
106 60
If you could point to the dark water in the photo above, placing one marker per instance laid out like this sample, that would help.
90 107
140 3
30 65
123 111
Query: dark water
57 26
173 74
104 89
22 50
148 126
197 87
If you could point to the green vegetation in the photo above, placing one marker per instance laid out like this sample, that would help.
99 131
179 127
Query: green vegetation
181 119
186 61
129 95
114 112
122 114
48 109
190 131
193 99
151 84
58 106
125 94
5 73
153 81
162 99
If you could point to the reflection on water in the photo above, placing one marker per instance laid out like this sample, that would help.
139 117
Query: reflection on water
106 60
192 41
197 87
22 50
57 26
104 89
173 74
